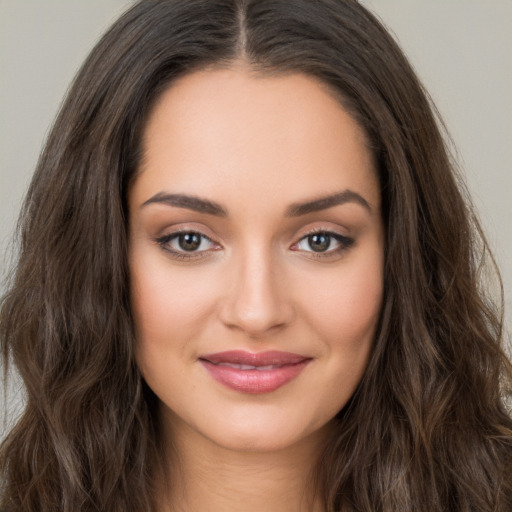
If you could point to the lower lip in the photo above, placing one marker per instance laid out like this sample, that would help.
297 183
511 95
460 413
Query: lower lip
254 381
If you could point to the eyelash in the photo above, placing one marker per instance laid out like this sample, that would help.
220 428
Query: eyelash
345 243
164 243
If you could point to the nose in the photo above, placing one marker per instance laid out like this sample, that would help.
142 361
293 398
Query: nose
258 300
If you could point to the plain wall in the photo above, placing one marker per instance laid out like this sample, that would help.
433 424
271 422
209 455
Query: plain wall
461 49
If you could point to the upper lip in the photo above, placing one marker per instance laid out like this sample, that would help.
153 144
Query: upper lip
271 357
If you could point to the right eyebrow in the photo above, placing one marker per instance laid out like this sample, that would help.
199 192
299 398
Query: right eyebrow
188 202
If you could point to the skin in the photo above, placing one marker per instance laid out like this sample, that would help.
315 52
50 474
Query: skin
256 146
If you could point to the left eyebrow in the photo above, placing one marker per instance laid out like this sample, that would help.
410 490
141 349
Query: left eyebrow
323 203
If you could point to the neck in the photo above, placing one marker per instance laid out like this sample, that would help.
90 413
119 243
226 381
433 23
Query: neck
202 475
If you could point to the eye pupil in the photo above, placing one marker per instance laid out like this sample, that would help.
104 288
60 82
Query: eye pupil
189 241
319 242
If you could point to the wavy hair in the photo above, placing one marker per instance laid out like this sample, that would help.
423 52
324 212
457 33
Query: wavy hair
428 427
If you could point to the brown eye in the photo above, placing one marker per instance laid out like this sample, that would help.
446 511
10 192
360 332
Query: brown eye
324 243
189 241
319 242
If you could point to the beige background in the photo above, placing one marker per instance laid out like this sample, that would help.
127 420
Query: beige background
461 49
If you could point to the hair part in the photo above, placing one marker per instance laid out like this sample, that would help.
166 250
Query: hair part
438 378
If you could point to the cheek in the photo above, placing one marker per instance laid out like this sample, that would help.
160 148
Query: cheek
168 307
344 306
352 312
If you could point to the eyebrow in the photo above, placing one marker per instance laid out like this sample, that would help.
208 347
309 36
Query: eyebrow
294 210
189 202
323 203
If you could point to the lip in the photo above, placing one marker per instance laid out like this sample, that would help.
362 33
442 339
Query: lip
254 373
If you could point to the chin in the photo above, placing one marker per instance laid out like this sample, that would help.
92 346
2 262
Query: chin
262 435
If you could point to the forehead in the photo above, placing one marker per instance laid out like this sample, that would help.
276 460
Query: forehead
260 134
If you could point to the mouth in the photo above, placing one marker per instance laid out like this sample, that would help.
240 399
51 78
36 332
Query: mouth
254 373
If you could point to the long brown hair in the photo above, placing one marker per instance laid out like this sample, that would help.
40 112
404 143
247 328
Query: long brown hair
428 427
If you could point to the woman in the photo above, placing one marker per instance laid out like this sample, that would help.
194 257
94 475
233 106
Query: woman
248 279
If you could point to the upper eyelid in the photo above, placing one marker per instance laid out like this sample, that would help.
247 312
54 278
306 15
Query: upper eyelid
171 231
333 234
178 231
214 240
174 234
325 230
321 230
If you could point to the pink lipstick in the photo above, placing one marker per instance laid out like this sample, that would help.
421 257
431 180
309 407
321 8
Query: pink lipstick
248 372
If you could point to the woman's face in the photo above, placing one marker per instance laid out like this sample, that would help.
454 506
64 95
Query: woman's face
256 256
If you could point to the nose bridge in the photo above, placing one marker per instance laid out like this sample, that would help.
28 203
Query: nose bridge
258 301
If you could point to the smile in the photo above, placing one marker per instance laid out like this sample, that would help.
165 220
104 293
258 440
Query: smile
254 373
249 367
